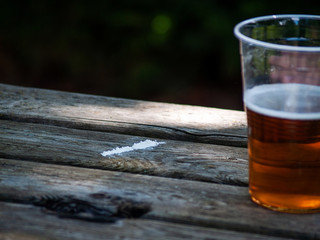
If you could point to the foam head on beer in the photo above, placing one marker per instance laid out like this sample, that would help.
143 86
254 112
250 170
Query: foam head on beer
289 101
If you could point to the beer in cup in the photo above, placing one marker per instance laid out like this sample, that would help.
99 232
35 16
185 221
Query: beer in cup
280 57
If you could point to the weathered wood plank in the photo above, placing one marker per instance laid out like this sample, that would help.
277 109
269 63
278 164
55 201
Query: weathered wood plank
172 200
194 161
24 222
150 119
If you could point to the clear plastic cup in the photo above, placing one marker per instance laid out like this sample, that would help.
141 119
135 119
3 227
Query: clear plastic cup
280 58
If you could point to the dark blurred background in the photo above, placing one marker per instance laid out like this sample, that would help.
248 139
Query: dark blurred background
180 51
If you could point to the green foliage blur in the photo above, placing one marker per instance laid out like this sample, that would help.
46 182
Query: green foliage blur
180 51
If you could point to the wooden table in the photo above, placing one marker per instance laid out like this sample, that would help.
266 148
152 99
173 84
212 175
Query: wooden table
192 184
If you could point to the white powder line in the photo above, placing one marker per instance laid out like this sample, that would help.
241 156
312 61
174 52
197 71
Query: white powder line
141 145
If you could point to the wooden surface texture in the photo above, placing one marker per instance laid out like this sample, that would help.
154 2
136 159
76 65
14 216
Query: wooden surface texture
55 184
138 118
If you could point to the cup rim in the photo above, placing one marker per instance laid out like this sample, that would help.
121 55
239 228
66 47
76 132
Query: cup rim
260 43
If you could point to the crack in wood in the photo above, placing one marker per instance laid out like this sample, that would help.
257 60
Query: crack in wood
148 130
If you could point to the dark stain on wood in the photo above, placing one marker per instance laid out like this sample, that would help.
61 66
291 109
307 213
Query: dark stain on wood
71 207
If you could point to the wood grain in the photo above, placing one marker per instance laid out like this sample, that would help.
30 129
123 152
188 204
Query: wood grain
177 159
149 119
195 182
24 222
172 200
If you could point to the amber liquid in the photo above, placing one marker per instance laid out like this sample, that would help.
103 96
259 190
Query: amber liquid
284 162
